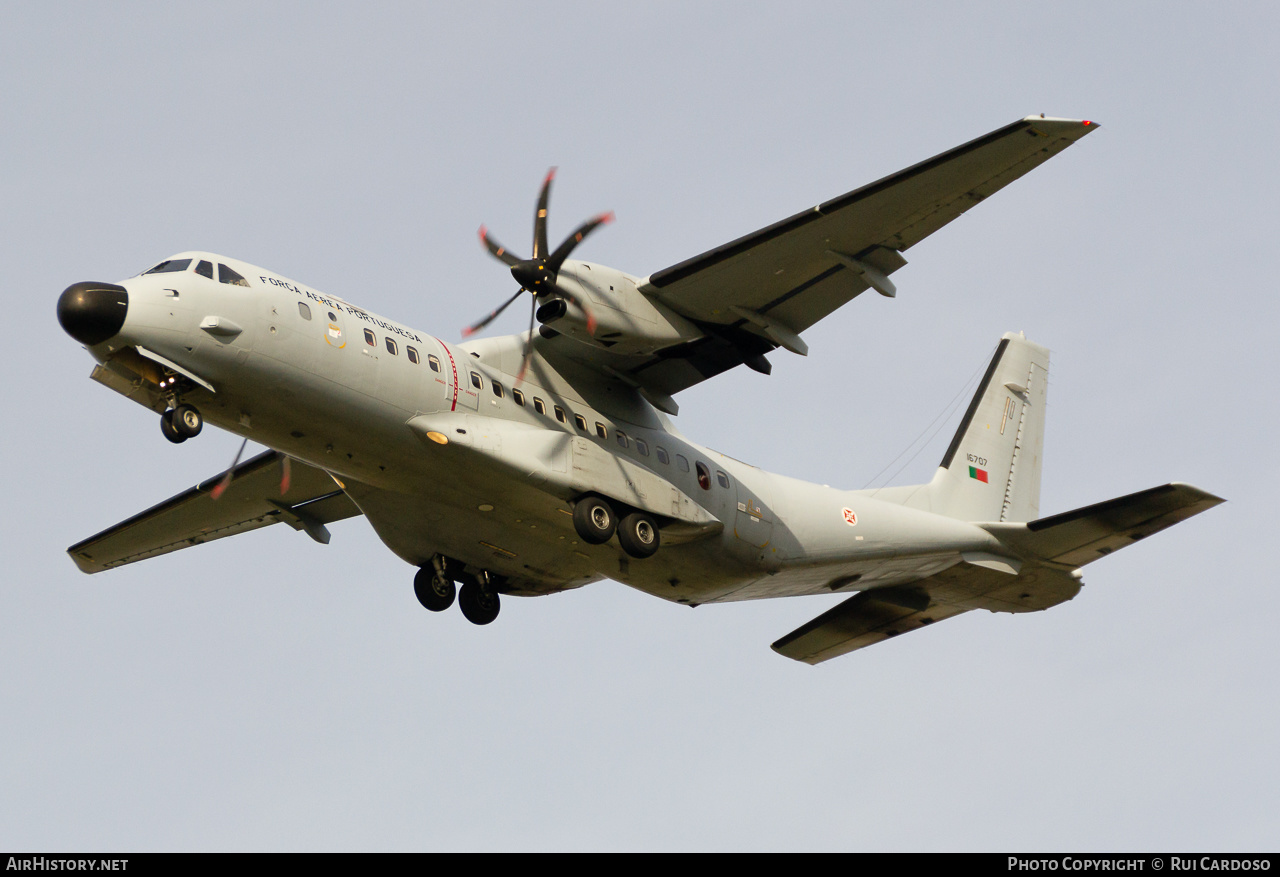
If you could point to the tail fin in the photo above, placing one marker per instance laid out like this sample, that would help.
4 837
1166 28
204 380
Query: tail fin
991 471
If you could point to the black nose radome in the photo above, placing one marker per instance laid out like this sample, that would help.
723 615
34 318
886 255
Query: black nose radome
92 312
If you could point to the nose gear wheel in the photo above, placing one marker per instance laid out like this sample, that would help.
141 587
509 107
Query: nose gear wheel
167 428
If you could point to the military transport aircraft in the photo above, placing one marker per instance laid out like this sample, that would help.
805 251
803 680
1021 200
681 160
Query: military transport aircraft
534 463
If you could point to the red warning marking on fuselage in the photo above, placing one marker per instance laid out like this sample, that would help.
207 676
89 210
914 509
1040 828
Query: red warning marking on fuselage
850 517
453 405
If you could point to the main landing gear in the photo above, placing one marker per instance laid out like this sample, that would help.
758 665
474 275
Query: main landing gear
596 521
436 590
181 423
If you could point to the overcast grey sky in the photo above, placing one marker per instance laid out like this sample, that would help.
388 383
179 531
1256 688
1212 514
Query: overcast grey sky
267 693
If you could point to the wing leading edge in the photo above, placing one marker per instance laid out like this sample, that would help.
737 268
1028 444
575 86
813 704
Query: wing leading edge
253 500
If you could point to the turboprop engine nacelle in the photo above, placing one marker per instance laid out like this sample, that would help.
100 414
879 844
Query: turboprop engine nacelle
627 321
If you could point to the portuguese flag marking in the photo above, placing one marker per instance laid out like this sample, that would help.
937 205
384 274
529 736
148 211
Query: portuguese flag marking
980 474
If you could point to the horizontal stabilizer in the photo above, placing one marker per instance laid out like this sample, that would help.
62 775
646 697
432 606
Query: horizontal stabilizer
879 614
252 500
1086 534
863 620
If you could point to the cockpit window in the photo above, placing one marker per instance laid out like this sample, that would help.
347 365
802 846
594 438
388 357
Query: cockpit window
226 275
205 269
169 266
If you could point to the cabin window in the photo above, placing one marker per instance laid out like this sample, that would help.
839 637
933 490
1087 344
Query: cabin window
518 395
476 381
682 463
369 339
704 476
662 455
601 431
622 438
539 406
412 353
723 479
226 275
643 447
205 269
432 362
169 266
391 346
580 422
304 310
497 389
560 414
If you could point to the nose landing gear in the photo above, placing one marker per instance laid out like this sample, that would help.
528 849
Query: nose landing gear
181 423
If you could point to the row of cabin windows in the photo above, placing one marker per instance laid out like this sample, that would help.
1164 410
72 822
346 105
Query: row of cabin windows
204 269
624 440
392 347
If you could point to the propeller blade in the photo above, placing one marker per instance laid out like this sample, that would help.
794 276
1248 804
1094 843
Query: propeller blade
498 250
528 344
221 487
540 218
286 474
476 327
556 259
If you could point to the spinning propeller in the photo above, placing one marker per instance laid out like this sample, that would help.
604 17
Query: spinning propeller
537 275
286 474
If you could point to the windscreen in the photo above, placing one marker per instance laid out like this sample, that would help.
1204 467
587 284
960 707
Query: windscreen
169 266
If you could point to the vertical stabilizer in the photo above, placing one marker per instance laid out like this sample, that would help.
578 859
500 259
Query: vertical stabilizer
991 471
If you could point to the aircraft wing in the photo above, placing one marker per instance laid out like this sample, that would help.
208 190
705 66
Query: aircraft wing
878 614
253 500
760 291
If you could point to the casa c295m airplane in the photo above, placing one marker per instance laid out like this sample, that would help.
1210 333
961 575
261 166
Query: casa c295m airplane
544 461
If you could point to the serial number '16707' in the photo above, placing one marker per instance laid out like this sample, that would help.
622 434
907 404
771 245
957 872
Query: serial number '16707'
981 461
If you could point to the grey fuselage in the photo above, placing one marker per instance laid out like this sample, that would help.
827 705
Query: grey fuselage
291 369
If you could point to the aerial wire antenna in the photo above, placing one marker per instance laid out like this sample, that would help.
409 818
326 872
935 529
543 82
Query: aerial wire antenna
945 415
